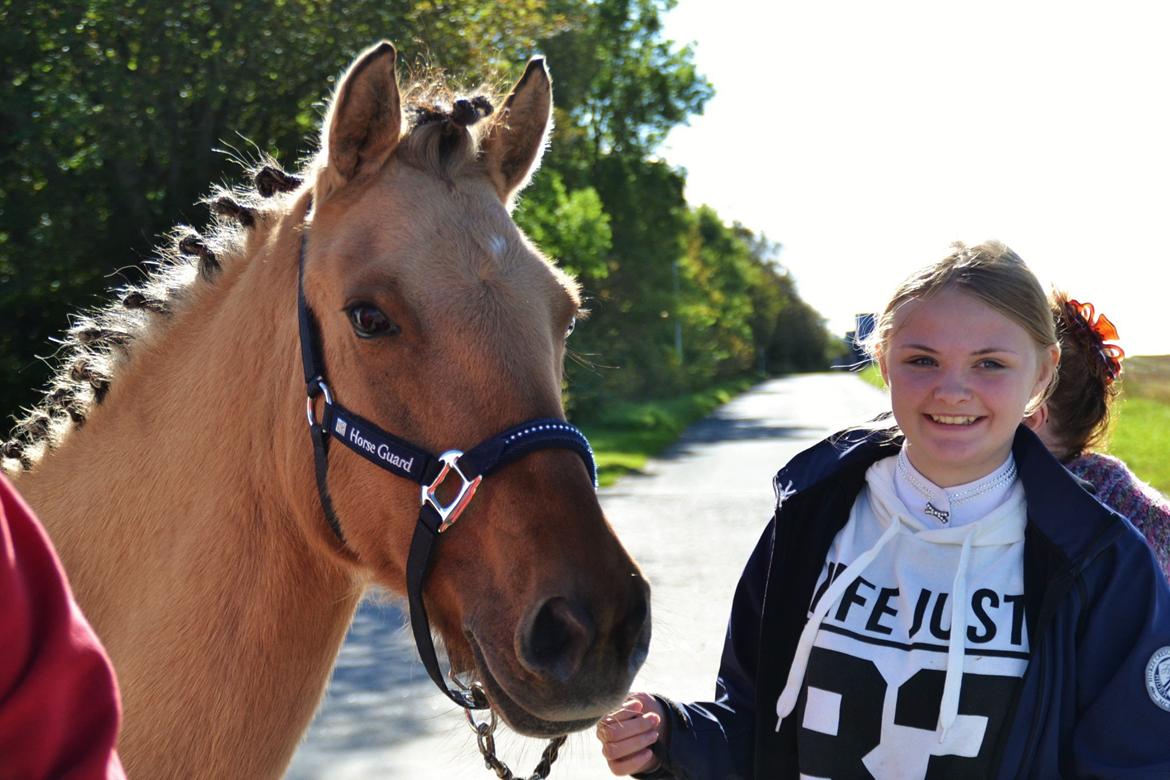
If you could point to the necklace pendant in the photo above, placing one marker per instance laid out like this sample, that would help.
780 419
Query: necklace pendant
941 515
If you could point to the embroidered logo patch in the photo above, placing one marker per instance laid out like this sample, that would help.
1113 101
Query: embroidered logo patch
1158 678
340 427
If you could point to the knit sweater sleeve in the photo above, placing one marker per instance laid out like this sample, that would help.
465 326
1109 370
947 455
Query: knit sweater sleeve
1141 504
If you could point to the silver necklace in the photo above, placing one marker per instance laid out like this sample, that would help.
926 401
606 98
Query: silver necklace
957 497
979 489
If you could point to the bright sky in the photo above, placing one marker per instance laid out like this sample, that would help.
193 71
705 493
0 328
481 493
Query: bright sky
866 136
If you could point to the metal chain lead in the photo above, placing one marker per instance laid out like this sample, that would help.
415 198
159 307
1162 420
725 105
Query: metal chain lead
486 740
487 747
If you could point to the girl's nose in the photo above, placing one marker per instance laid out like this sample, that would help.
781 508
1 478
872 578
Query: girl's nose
952 389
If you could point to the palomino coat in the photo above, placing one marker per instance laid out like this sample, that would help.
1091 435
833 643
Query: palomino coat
1097 611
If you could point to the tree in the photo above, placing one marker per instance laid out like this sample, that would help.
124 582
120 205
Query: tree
619 88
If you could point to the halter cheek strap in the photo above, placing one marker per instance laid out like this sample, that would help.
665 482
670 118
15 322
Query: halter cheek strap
430 472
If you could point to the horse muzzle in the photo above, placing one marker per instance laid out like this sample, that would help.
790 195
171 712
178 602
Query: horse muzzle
574 660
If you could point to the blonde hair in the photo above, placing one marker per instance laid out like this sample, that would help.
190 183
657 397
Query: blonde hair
992 273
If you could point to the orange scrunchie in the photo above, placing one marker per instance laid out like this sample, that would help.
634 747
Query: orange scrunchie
1103 330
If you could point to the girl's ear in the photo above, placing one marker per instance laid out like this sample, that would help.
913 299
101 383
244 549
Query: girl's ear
1049 366
1037 419
1040 422
881 361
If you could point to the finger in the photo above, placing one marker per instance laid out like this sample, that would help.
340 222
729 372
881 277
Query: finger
650 704
619 749
631 708
618 730
642 761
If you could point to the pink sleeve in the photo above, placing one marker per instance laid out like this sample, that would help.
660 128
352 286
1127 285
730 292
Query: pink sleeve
59 708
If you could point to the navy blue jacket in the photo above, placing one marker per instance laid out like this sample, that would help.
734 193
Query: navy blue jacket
1097 610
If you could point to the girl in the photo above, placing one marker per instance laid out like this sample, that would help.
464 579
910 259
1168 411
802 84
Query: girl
940 599
1076 418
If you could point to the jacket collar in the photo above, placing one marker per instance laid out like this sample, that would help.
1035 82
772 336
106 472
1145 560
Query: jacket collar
844 451
1060 507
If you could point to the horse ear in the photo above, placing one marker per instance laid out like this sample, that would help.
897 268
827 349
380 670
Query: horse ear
516 139
364 121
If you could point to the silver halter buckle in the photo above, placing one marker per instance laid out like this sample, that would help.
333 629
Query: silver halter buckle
449 513
310 406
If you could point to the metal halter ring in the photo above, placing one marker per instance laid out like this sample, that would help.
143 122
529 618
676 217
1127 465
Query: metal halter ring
310 412
475 691
449 513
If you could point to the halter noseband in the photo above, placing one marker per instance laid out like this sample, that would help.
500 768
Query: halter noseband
406 460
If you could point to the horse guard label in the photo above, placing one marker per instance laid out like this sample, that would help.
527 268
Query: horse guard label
1158 678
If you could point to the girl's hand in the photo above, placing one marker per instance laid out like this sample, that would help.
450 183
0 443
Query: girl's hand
627 734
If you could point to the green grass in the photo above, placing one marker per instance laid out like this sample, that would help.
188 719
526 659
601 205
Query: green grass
1140 434
1147 377
627 434
1141 437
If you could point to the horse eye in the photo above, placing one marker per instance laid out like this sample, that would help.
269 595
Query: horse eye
572 326
368 321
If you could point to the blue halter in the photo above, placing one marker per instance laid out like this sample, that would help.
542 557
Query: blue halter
406 460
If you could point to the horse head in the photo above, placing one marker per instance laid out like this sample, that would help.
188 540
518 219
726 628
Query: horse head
439 322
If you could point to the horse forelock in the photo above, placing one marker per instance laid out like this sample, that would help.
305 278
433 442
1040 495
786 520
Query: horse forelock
443 129
437 136
440 149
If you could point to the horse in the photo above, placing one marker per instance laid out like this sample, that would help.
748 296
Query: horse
170 463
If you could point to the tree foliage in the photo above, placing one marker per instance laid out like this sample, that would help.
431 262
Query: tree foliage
680 299
114 117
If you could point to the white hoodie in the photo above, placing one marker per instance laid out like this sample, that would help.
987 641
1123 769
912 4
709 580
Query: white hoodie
877 675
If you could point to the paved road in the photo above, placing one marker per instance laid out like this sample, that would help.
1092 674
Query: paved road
690 521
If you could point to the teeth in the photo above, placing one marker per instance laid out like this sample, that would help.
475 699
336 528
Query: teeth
948 419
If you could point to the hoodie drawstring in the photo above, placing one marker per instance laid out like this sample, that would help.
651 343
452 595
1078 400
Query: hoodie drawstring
957 645
787 701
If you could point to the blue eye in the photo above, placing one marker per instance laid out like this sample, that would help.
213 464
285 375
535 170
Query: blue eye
369 322
922 360
992 364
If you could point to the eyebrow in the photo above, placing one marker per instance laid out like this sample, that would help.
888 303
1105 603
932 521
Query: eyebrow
984 351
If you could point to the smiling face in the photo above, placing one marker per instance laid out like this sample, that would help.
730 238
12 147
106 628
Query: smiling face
961 376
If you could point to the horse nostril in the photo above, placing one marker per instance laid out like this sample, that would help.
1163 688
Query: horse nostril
558 639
